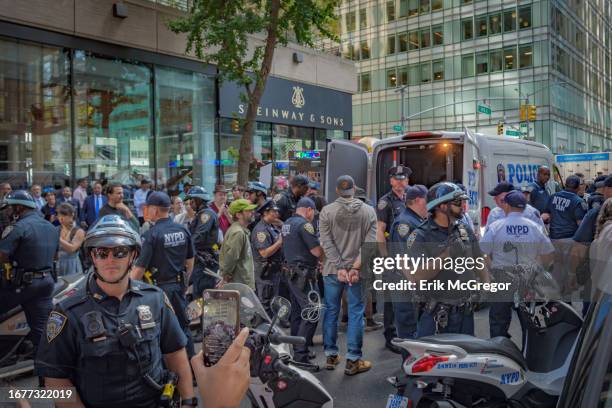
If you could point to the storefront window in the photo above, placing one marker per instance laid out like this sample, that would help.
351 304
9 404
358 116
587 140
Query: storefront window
35 142
185 134
229 147
286 142
112 100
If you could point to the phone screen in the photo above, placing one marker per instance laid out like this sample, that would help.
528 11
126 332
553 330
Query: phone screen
220 322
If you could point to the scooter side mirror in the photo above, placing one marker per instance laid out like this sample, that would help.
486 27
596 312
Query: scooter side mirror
281 307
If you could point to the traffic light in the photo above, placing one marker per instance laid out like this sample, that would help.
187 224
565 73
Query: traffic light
523 113
500 128
531 113
236 126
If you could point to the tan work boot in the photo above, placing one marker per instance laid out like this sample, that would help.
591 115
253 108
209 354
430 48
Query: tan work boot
356 367
332 362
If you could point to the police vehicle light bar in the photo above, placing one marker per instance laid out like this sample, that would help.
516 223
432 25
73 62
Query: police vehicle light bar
414 135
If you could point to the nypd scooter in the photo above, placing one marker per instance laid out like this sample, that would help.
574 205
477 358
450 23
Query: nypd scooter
455 370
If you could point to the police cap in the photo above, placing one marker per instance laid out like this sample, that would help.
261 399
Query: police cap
503 187
400 172
158 199
268 205
515 199
416 191
306 202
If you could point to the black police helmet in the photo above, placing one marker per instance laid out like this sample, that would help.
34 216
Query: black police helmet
443 193
20 197
198 192
257 186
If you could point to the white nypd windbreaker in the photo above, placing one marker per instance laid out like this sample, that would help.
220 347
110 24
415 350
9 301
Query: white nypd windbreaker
529 212
523 233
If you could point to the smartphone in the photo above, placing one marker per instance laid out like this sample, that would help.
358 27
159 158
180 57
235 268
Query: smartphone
220 322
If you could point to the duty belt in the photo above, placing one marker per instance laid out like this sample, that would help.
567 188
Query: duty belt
176 279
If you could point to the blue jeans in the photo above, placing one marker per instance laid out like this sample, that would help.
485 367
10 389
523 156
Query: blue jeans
458 322
405 319
356 308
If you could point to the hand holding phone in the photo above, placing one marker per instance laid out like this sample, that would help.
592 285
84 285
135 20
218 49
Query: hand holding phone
220 322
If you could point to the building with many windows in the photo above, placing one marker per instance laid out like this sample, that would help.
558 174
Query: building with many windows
449 56
90 91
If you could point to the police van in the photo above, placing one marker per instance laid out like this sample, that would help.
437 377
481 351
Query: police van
478 161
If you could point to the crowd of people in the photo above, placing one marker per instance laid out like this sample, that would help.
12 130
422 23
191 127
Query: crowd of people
292 243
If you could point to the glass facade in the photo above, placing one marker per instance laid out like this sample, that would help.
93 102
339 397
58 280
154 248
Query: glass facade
557 53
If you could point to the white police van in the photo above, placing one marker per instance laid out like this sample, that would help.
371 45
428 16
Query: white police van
476 160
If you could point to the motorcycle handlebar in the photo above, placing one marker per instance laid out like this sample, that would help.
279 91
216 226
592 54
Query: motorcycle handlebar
295 340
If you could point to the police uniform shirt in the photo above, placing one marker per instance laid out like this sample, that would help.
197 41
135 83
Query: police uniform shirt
166 246
586 230
286 204
430 240
299 238
204 229
539 196
389 207
404 224
529 212
565 208
31 242
523 233
82 344
263 236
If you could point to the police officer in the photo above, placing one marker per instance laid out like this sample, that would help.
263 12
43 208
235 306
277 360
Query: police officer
289 198
498 194
27 249
409 219
267 241
539 194
204 229
596 198
257 194
113 337
302 250
566 210
388 208
444 236
167 253
532 247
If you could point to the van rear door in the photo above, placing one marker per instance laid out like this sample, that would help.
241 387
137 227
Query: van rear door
344 157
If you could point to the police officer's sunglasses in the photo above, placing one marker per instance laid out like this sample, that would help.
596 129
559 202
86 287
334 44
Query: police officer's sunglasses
119 252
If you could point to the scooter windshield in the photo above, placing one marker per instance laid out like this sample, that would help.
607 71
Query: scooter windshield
252 312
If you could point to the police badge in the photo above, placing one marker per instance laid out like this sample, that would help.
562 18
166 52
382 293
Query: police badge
411 239
261 237
55 325
145 316
308 227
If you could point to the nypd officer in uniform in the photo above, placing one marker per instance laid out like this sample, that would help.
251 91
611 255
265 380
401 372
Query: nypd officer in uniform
302 251
443 235
409 219
388 208
539 195
167 252
257 194
532 247
114 337
204 229
288 200
29 246
498 194
565 211
267 241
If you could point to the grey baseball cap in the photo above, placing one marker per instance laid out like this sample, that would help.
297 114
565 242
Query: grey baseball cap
345 185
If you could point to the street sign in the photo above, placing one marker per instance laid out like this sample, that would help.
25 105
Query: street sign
484 109
513 133
524 128
397 128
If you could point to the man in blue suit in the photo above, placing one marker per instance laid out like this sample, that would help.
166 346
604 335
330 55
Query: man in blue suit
92 206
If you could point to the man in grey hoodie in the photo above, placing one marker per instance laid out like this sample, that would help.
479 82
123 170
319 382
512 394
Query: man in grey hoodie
344 226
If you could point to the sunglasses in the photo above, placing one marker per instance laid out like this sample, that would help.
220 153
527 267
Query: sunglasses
119 252
457 203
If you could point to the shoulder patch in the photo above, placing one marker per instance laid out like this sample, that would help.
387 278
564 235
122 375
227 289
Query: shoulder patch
55 325
403 230
261 237
204 217
308 227
167 302
7 231
382 204
411 239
